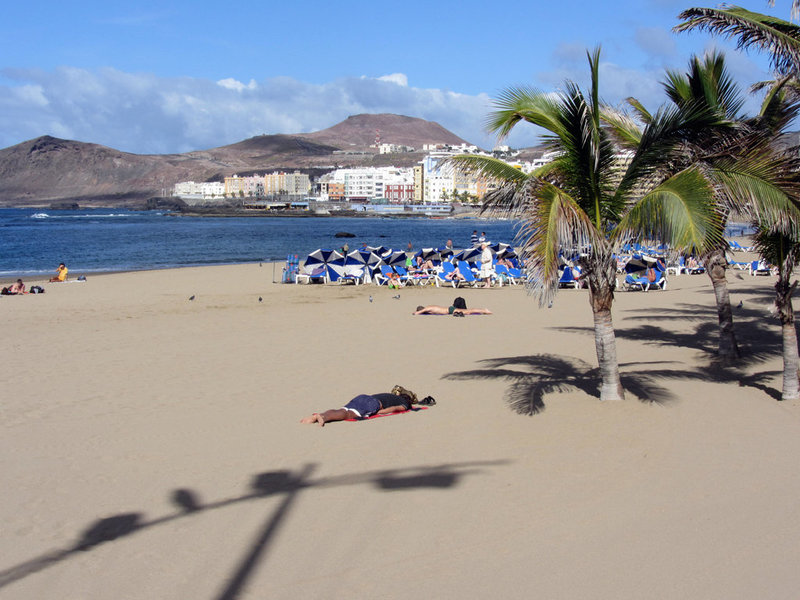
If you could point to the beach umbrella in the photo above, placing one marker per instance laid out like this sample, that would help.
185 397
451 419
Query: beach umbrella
468 254
445 253
639 262
322 256
366 259
429 254
379 250
335 267
394 257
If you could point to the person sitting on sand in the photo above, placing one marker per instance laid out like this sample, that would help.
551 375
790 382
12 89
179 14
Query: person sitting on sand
367 405
61 274
15 288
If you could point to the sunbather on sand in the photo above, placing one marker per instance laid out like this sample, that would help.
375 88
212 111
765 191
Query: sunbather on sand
367 405
450 310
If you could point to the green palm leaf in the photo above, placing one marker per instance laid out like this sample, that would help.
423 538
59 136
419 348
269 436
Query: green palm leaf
781 39
680 212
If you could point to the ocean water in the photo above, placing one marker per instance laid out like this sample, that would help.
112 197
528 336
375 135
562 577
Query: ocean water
33 242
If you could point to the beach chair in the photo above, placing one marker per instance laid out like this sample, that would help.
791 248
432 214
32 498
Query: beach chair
312 274
413 278
567 279
503 274
352 274
758 267
678 267
737 247
385 276
642 283
441 276
469 276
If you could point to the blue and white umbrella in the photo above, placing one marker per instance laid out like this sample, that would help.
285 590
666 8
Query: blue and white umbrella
394 257
322 257
429 254
367 260
467 254
445 253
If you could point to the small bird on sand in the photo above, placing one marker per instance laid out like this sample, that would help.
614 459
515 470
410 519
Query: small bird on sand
370 298
550 304
396 297
191 297
740 305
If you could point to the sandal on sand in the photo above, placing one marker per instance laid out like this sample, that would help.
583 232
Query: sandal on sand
458 313
427 401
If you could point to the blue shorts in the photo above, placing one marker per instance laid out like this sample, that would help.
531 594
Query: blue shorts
364 405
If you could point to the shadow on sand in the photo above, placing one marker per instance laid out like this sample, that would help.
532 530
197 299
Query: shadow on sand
286 484
531 378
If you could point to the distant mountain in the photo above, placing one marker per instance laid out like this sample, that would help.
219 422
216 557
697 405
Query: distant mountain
49 170
361 131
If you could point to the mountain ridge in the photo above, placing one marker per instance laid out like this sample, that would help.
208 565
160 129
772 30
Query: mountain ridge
48 170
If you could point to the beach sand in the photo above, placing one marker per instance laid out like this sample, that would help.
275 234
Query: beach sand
151 445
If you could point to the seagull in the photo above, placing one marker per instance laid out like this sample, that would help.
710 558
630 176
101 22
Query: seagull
370 298
191 297
396 297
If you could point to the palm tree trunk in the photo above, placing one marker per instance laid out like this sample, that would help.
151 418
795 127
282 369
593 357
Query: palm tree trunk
783 302
716 265
601 297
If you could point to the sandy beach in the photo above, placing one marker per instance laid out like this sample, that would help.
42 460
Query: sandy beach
151 445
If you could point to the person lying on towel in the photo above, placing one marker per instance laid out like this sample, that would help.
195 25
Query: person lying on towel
367 405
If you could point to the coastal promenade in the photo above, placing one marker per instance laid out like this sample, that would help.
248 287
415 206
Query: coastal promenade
152 447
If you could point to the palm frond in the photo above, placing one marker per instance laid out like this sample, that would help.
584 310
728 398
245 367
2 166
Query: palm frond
680 212
625 130
765 188
779 38
518 104
554 221
643 113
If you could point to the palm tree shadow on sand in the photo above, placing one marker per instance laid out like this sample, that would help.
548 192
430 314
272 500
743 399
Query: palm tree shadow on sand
283 485
533 377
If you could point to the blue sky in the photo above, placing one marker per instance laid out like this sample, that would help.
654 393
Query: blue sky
162 77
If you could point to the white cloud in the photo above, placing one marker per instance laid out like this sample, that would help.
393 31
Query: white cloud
398 78
147 114
233 84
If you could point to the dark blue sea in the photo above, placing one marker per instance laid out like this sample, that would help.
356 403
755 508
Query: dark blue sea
33 242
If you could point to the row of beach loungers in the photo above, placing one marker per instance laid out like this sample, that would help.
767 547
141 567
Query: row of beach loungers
444 266
385 266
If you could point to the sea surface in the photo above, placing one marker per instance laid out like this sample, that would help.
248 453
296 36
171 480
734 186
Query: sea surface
33 242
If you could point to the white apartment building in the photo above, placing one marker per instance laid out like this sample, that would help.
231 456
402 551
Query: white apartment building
369 183
437 179
200 189
393 148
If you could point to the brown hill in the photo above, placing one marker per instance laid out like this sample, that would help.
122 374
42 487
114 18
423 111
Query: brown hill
45 170
361 130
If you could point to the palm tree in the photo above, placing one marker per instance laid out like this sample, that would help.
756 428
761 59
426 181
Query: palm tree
751 176
779 38
783 251
587 200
